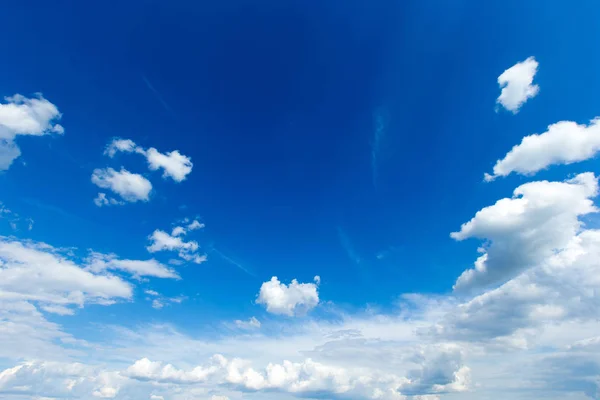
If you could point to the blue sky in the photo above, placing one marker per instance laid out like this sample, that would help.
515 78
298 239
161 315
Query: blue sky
337 144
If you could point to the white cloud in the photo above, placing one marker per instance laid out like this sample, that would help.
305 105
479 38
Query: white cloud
523 230
131 187
57 309
188 251
20 116
58 380
174 164
564 142
38 272
190 226
517 84
103 200
292 299
98 262
161 241
252 323
145 369
178 231
124 145
159 302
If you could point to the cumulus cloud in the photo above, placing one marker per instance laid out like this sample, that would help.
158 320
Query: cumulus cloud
161 241
564 142
188 251
98 262
120 145
523 230
131 187
147 370
174 164
517 85
293 299
559 288
21 116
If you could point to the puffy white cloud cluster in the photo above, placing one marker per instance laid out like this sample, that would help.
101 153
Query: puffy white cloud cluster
133 187
293 299
517 85
186 250
145 369
174 164
21 116
526 229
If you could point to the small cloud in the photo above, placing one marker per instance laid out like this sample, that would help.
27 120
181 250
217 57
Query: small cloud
157 304
131 187
517 85
291 300
102 200
252 323
187 250
174 164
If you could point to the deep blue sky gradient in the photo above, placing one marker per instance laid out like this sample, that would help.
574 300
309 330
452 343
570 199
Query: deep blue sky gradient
276 102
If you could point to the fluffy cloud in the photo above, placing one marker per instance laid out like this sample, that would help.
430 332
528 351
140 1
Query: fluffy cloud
188 251
564 142
20 116
123 145
98 262
517 85
38 272
147 370
252 323
293 299
560 288
526 229
174 164
131 187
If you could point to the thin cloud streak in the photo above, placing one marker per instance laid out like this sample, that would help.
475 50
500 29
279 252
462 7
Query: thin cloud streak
159 97
229 260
